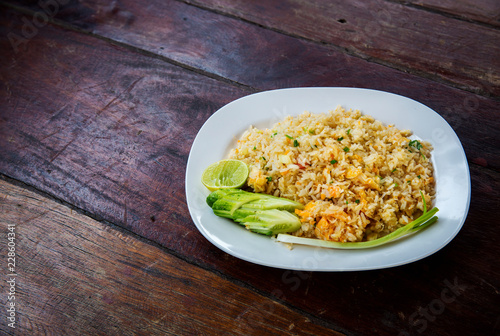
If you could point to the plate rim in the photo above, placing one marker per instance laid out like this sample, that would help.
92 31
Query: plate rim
204 231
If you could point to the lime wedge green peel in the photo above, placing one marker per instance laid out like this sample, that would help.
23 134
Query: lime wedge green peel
225 174
426 219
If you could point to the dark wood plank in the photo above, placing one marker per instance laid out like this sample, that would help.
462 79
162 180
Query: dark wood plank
404 37
116 145
114 125
76 276
387 32
484 11
264 59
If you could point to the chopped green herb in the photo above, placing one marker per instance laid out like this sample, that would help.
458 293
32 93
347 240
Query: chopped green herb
263 158
295 143
393 170
346 202
340 139
408 181
419 176
312 132
415 144
348 131
289 137
396 184
254 148
357 201
333 161
269 178
346 149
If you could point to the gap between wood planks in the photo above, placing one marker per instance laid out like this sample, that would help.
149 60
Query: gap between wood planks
62 24
130 234
444 13
419 73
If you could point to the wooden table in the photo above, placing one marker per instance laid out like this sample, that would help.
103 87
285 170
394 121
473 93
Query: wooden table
100 103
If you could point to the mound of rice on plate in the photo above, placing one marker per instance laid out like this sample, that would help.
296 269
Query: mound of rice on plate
358 179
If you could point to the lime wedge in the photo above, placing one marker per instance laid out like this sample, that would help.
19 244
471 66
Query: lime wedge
225 174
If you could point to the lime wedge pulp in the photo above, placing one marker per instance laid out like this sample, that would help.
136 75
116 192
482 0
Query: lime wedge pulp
225 174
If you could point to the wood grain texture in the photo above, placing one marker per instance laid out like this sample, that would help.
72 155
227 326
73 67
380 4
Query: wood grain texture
108 130
77 276
264 59
441 47
456 51
484 11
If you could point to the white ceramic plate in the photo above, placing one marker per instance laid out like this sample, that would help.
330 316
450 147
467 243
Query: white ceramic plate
220 132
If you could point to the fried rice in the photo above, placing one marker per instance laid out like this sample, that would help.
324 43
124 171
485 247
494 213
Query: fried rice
358 178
